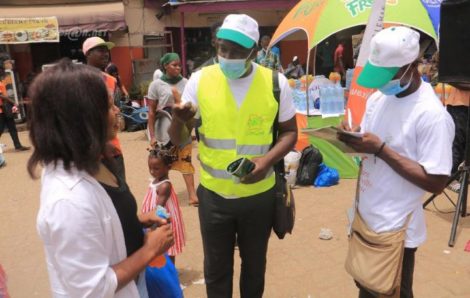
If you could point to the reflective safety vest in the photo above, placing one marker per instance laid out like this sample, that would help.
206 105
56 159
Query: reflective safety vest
229 132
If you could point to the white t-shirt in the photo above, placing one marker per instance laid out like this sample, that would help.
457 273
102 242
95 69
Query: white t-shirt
239 88
418 127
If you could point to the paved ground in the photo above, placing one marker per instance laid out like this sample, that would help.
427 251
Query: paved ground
299 266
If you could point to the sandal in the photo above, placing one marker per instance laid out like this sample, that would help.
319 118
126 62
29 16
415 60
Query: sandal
194 204
454 186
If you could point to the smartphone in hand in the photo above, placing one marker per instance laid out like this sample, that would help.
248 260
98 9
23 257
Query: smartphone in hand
241 167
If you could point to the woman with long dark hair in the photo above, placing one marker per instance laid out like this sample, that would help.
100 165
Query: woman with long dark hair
72 119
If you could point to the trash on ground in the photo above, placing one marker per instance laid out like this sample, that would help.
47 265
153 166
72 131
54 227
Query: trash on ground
467 246
325 234
199 282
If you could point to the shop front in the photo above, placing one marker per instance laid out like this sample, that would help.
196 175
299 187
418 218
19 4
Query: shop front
191 27
75 22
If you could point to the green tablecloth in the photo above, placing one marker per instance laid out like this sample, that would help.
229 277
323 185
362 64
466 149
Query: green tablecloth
332 156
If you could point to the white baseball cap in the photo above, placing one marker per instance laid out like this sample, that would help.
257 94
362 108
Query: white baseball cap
241 29
390 49
95 41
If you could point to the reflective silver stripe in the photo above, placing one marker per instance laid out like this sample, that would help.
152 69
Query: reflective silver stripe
227 144
221 174
252 149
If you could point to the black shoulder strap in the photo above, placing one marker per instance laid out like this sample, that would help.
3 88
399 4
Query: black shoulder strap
277 96
278 167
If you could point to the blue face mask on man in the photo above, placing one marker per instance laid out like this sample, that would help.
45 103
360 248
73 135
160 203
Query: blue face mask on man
394 87
233 68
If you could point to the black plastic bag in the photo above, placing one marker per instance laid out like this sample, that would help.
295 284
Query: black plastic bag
308 165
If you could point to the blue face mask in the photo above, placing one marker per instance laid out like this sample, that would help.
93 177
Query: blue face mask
394 86
233 68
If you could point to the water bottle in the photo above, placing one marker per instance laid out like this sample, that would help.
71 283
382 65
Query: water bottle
325 100
339 99
331 100
349 77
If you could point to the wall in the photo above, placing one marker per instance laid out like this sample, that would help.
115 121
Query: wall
21 53
140 21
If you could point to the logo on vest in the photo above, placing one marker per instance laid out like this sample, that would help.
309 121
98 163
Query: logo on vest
255 124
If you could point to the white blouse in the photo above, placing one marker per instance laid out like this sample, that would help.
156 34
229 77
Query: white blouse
82 235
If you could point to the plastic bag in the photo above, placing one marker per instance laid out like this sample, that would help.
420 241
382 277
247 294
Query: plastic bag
326 176
308 165
291 164
162 279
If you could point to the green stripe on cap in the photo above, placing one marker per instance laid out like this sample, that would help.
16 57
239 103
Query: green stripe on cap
236 37
375 76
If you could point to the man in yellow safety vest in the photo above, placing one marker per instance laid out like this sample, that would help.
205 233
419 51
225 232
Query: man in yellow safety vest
234 101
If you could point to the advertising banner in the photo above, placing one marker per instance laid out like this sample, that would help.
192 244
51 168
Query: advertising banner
29 30
358 95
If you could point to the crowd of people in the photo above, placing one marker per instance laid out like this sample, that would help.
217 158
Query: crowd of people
98 244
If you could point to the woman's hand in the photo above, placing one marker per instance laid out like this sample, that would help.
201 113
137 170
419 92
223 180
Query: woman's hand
159 240
153 142
259 172
150 219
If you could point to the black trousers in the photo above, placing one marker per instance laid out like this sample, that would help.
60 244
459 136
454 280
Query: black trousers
460 116
10 123
249 220
406 286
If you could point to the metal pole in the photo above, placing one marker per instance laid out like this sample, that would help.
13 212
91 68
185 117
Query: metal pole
183 49
306 81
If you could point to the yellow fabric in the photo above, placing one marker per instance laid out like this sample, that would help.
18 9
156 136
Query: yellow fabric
251 124
183 164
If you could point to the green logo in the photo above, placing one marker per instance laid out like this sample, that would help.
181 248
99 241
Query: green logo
356 7
307 7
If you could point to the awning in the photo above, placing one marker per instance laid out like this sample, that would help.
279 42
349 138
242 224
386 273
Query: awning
73 17
229 5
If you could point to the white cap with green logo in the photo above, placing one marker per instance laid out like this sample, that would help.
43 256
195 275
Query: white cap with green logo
390 49
241 29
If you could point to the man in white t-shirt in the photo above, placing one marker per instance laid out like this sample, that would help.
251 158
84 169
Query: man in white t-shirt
234 101
407 140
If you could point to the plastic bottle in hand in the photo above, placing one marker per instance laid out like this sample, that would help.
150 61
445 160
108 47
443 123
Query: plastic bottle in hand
162 213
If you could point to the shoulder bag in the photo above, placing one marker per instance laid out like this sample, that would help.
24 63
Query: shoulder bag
375 260
284 209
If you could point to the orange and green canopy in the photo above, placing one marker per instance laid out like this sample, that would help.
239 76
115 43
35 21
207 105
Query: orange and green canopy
323 18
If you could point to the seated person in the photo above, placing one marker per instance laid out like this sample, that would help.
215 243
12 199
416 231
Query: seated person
294 69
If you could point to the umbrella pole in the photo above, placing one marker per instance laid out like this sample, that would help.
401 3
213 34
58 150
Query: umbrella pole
314 61
306 82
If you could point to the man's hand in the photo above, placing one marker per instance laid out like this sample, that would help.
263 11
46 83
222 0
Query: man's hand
345 126
369 143
259 172
176 95
184 112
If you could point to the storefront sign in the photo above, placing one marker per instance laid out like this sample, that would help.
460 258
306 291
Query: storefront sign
28 30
